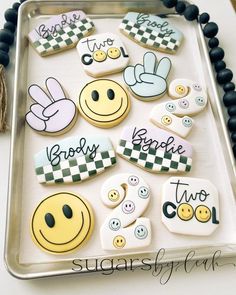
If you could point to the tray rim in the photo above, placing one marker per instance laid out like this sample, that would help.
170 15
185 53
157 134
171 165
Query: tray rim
17 272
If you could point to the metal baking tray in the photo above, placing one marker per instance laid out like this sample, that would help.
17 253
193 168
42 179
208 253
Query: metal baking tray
213 157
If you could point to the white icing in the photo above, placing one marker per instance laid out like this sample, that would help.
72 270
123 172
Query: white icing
130 195
148 81
191 99
51 113
181 198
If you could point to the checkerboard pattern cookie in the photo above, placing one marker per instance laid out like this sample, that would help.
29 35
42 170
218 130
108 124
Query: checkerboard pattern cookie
151 31
74 159
153 160
76 169
60 33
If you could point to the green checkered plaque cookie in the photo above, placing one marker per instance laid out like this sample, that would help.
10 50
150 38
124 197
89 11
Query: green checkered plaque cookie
60 32
151 31
155 150
74 159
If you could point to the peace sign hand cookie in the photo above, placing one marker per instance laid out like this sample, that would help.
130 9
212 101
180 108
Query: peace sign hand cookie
148 81
52 114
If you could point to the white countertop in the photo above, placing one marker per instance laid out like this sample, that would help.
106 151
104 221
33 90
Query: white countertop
218 279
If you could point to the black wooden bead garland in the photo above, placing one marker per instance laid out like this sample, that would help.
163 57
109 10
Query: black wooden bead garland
6 40
224 75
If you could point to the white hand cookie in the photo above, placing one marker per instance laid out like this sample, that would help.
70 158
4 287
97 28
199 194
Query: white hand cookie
124 228
173 115
102 54
148 81
190 206
151 31
74 159
60 32
155 150
53 113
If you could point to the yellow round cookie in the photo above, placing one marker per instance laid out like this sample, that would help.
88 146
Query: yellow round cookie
104 103
61 223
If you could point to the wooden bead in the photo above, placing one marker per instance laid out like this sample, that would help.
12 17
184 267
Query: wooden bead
10 26
232 110
229 86
6 36
224 76
216 54
169 3
233 136
191 12
180 7
219 65
4 47
11 15
16 6
4 58
204 18
213 42
234 151
229 98
232 123
210 30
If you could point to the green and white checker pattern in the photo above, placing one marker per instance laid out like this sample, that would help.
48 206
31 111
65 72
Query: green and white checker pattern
76 169
152 159
66 37
149 37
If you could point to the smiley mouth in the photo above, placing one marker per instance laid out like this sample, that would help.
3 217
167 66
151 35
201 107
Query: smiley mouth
105 114
59 244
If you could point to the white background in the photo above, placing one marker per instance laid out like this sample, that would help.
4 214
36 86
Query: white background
218 281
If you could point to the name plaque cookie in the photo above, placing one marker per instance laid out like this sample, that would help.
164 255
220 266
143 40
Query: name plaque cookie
155 150
60 32
151 31
74 159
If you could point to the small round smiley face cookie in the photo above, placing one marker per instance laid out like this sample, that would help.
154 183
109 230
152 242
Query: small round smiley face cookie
61 223
104 103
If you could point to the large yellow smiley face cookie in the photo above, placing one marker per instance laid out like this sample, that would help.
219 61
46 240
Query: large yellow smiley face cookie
104 103
61 223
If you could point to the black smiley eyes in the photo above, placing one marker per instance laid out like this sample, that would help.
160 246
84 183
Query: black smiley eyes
95 95
110 94
67 211
50 220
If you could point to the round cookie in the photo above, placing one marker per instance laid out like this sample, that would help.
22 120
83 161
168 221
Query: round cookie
104 103
61 223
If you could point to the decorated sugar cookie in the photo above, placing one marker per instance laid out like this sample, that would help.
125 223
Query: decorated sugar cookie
155 150
104 103
61 223
125 228
151 31
173 115
52 113
102 54
74 159
190 206
148 81
60 32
